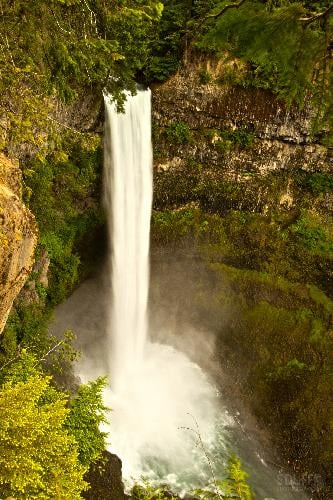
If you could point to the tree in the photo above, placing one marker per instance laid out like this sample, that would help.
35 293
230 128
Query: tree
39 458
288 46
87 413
47 442
61 48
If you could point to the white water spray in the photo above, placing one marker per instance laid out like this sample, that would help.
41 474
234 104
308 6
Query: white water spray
156 391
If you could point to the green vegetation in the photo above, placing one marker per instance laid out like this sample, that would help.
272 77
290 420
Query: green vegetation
269 275
178 133
314 236
241 137
44 436
234 486
273 271
35 445
225 139
284 45
280 246
318 183
167 41
62 190
95 41
147 491
86 415
282 42
285 343
205 77
60 50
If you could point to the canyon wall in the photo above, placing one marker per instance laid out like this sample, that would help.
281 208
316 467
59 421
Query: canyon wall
242 247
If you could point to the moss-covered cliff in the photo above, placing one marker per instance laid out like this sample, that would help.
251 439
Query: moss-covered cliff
241 186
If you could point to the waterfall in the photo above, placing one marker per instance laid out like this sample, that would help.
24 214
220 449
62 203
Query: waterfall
156 392
128 199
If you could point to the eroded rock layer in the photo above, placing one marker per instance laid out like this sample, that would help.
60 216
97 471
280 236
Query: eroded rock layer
208 134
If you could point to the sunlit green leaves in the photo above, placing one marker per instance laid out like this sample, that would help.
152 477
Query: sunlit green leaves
86 415
39 458
46 441
233 486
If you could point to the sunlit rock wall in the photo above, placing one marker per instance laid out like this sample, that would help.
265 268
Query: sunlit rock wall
18 237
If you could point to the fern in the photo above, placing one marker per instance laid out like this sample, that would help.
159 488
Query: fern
235 485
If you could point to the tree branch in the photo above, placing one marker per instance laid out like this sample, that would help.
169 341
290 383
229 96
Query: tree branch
58 24
222 11
312 19
11 360
43 358
64 125
17 356
93 17
305 20
200 442
5 38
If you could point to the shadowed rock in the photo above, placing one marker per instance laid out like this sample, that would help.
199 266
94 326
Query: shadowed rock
105 479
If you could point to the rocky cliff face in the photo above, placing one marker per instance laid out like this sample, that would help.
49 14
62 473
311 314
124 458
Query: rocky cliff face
233 135
18 237
243 199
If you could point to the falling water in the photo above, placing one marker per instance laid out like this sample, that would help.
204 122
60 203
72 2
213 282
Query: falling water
157 392
128 197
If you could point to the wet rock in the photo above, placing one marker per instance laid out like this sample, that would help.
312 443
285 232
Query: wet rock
105 479
84 114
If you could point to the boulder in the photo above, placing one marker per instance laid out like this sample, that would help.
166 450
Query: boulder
105 479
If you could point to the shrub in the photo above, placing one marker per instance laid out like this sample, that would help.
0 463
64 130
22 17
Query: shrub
313 233
178 133
241 137
205 77
62 192
233 486
47 441
319 183
39 458
84 420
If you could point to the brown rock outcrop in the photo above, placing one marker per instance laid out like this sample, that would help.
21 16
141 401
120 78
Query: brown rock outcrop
18 237
219 173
